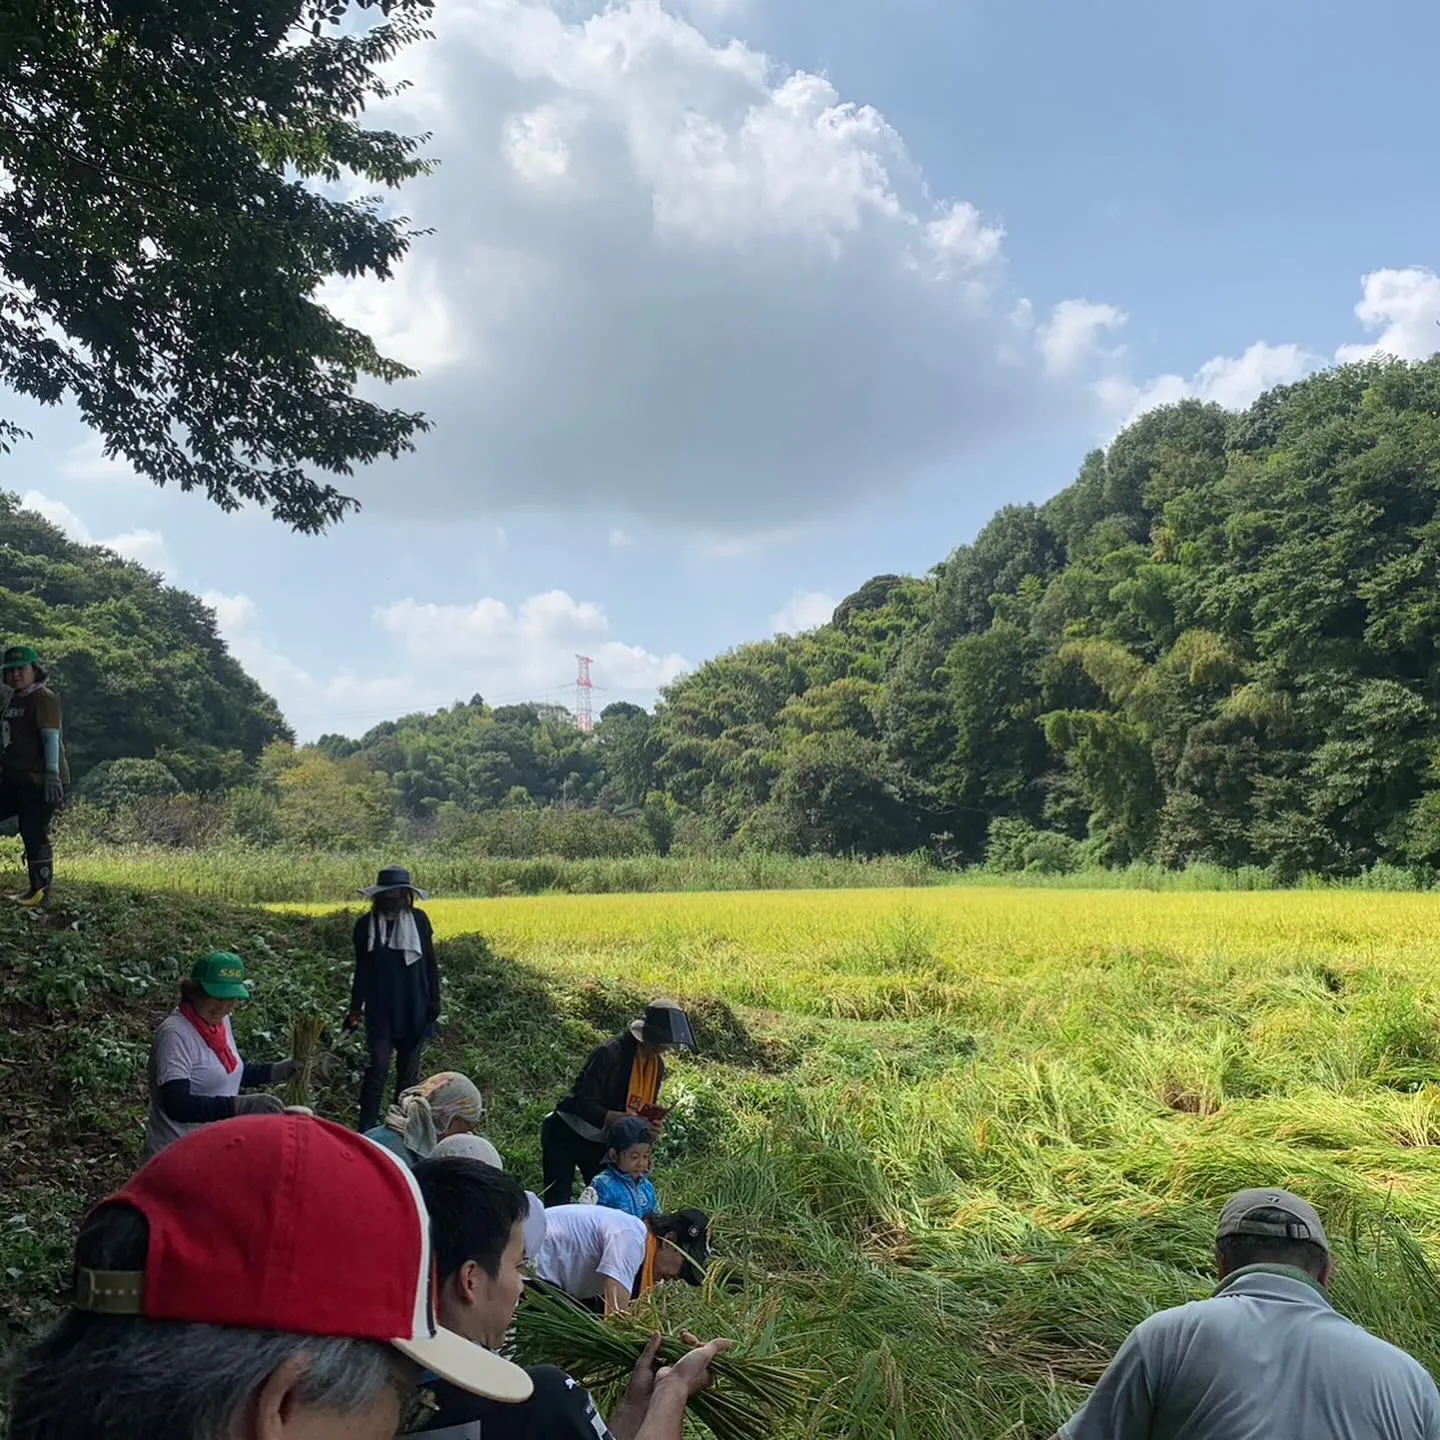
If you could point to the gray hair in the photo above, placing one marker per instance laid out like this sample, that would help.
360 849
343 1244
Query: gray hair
107 1377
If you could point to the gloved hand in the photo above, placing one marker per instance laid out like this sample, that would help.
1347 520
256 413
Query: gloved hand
352 1022
283 1070
259 1105
54 790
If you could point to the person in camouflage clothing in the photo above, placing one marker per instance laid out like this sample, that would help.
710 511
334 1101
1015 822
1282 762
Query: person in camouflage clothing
33 769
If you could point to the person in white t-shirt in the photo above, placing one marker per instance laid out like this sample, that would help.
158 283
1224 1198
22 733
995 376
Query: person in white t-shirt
196 1074
597 1254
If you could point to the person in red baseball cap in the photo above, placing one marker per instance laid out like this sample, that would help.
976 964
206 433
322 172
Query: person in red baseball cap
266 1279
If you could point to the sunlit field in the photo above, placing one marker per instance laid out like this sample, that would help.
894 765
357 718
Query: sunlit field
956 1141
995 1125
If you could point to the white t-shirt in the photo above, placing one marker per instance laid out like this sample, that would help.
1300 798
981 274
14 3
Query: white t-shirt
587 1244
179 1053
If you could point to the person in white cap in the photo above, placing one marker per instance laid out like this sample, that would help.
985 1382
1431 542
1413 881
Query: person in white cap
265 1279
468 1147
1267 1356
480 1219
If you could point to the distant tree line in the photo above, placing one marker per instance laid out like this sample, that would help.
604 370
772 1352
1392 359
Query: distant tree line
1217 645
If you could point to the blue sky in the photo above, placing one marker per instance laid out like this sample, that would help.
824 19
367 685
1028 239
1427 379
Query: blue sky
734 305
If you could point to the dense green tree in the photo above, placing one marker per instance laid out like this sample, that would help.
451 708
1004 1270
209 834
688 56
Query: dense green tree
141 670
164 243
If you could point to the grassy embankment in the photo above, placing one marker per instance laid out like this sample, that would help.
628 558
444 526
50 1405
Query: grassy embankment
248 874
957 1141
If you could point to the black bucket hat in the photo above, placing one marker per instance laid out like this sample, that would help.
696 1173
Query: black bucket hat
392 877
664 1023
689 1232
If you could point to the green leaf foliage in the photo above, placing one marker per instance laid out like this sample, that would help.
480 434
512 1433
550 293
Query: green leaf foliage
141 671
173 204
1218 644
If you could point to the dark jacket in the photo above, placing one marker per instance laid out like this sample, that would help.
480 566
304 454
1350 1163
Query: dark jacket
603 1085
397 1000
560 1409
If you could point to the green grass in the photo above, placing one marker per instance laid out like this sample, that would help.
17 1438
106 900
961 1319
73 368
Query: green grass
956 1141
246 874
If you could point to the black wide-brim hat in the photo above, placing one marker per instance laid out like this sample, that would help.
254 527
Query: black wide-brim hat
664 1023
393 877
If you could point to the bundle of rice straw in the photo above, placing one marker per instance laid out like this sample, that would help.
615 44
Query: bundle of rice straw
753 1398
306 1032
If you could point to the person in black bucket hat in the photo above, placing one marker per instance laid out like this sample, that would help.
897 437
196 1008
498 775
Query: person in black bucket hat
622 1077
396 990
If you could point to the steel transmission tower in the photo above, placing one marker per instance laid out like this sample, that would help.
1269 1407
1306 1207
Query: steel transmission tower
584 715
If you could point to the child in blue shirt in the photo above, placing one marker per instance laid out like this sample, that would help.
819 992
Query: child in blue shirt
624 1183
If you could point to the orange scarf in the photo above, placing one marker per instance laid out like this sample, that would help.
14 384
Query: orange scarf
647 1270
644 1080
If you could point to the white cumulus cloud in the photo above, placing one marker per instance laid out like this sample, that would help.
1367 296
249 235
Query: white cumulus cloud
1404 306
1231 381
804 610
673 278
145 547
531 647
1070 339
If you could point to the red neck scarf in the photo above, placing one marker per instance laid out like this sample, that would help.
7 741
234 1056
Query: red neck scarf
215 1036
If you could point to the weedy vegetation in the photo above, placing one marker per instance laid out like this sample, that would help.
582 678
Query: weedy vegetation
956 1141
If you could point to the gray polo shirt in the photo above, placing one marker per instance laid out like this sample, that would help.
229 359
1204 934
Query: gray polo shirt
1266 1358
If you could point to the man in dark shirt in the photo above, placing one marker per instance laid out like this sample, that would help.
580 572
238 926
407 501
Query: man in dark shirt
33 768
477 1219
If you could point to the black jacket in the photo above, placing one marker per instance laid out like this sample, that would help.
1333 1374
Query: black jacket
396 999
560 1409
603 1085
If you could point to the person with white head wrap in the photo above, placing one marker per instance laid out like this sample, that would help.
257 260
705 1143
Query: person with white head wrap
444 1105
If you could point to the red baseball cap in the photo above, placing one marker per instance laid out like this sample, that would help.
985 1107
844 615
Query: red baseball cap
292 1224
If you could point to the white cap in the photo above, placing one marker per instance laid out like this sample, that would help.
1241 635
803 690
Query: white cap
469 1147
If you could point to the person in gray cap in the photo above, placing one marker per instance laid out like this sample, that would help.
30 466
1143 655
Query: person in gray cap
1266 1356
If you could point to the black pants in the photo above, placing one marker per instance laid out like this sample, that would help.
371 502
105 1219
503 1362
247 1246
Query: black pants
24 800
562 1153
384 1048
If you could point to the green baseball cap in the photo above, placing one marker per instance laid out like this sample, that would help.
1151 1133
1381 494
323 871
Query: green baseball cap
222 975
18 655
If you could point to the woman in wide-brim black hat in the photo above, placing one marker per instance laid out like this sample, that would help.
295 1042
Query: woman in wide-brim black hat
396 990
623 1077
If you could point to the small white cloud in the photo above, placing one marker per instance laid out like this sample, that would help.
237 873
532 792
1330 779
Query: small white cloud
532 647
58 513
1070 339
234 614
88 461
620 539
1404 305
1231 381
145 547
344 701
804 610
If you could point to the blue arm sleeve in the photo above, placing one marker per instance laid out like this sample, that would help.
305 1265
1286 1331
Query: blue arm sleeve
50 739
609 1191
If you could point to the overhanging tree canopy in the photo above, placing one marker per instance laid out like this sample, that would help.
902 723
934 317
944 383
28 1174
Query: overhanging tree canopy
162 239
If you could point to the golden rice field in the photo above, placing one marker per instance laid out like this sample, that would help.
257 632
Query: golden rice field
957 1141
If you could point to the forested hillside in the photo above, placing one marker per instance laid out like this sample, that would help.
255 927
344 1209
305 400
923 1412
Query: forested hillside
1218 643
140 664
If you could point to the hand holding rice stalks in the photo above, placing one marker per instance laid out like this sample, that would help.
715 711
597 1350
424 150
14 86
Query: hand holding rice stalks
306 1036
754 1398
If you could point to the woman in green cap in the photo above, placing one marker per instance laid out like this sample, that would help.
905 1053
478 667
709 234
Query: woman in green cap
196 1073
33 769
